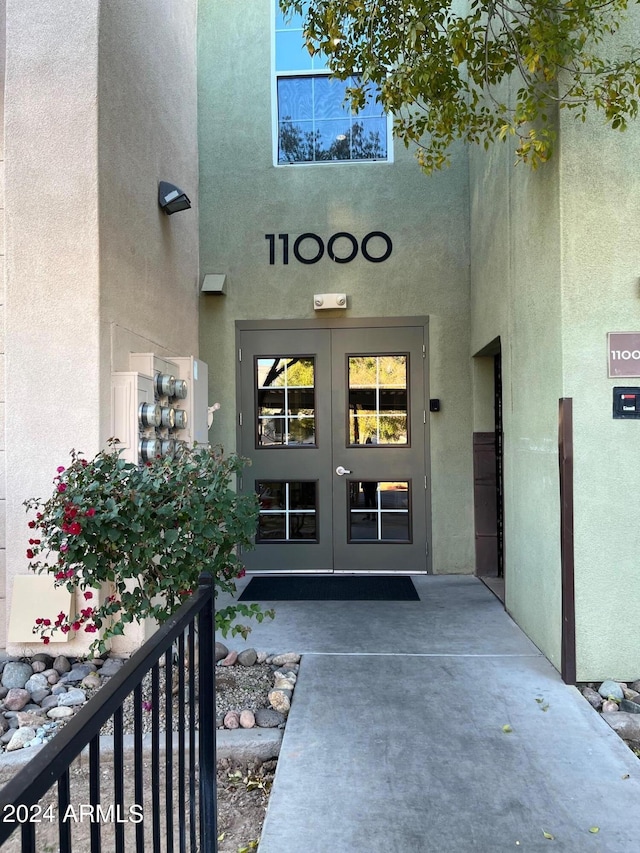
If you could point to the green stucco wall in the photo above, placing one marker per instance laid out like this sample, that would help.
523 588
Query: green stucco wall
243 197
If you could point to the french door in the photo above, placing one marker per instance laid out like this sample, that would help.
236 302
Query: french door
334 423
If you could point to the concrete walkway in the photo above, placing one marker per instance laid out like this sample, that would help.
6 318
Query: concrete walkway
395 739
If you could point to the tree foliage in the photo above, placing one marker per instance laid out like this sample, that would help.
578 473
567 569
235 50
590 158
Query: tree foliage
481 72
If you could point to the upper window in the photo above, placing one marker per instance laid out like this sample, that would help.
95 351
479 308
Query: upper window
315 120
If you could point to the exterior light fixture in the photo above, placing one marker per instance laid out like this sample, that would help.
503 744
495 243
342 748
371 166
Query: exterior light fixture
171 198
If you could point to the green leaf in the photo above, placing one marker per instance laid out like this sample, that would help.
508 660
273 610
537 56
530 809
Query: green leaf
548 835
594 829
507 728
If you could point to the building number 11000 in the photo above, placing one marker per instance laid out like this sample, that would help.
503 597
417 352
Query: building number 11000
346 250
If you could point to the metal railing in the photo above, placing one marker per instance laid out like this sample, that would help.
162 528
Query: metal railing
123 806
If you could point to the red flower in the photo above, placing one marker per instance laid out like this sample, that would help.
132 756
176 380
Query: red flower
87 612
76 626
75 528
70 511
38 515
46 622
241 573
32 524
39 621
84 463
61 487
61 615
65 628
46 640
69 573
30 554
90 629
60 469
60 576
88 595
90 512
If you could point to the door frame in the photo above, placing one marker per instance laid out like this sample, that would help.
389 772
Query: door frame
348 323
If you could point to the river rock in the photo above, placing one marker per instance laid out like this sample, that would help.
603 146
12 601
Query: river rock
61 664
593 697
20 738
76 674
230 659
281 682
287 657
38 665
74 696
16 674
36 682
60 713
111 667
279 700
611 689
631 695
269 718
58 689
92 681
3 691
49 702
247 719
609 706
38 695
247 657
625 725
221 651
634 685
262 656
629 706
42 657
29 719
16 699
231 720
53 677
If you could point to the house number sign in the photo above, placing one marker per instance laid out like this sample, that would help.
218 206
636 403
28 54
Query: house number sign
624 353
342 247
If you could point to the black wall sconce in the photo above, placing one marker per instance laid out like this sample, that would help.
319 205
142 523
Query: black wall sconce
171 198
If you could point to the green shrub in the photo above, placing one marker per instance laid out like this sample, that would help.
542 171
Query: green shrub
135 540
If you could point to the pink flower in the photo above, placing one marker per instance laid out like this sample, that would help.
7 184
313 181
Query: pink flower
60 576
60 469
147 706
76 626
87 612
65 628
61 487
64 547
46 622
88 595
90 629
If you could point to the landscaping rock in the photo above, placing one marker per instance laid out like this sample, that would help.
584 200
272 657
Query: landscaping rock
38 695
279 700
38 666
60 713
111 667
625 725
634 685
232 720
61 664
58 689
29 719
16 674
16 699
288 657
230 659
269 718
632 695
74 696
611 689
593 697
609 706
247 657
42 657
76 674
49 702
629 706
221 652
36 682
20 738
247 719
3 691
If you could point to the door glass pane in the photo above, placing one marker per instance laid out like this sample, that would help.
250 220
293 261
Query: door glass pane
378 399
379 511
285 411
288 511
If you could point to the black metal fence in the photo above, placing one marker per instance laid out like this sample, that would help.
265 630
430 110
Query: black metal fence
144 792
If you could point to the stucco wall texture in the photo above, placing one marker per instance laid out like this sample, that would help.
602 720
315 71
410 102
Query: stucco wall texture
552 272
93 266
243 196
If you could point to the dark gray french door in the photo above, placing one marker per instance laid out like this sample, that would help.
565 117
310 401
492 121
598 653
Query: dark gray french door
334 423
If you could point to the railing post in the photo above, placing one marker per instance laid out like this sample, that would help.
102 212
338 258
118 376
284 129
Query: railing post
207 721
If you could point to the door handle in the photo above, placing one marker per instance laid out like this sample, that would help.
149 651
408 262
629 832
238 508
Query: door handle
340 471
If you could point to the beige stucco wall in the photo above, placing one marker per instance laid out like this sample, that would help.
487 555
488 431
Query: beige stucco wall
3 492
243 197
94 268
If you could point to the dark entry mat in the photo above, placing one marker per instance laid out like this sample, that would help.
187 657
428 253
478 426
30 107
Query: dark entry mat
331 588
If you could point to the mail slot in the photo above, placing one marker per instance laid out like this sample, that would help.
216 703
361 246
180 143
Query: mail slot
626 402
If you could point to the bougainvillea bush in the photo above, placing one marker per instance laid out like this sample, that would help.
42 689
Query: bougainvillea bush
135 540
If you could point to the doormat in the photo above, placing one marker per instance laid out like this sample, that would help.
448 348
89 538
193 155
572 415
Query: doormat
330 588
